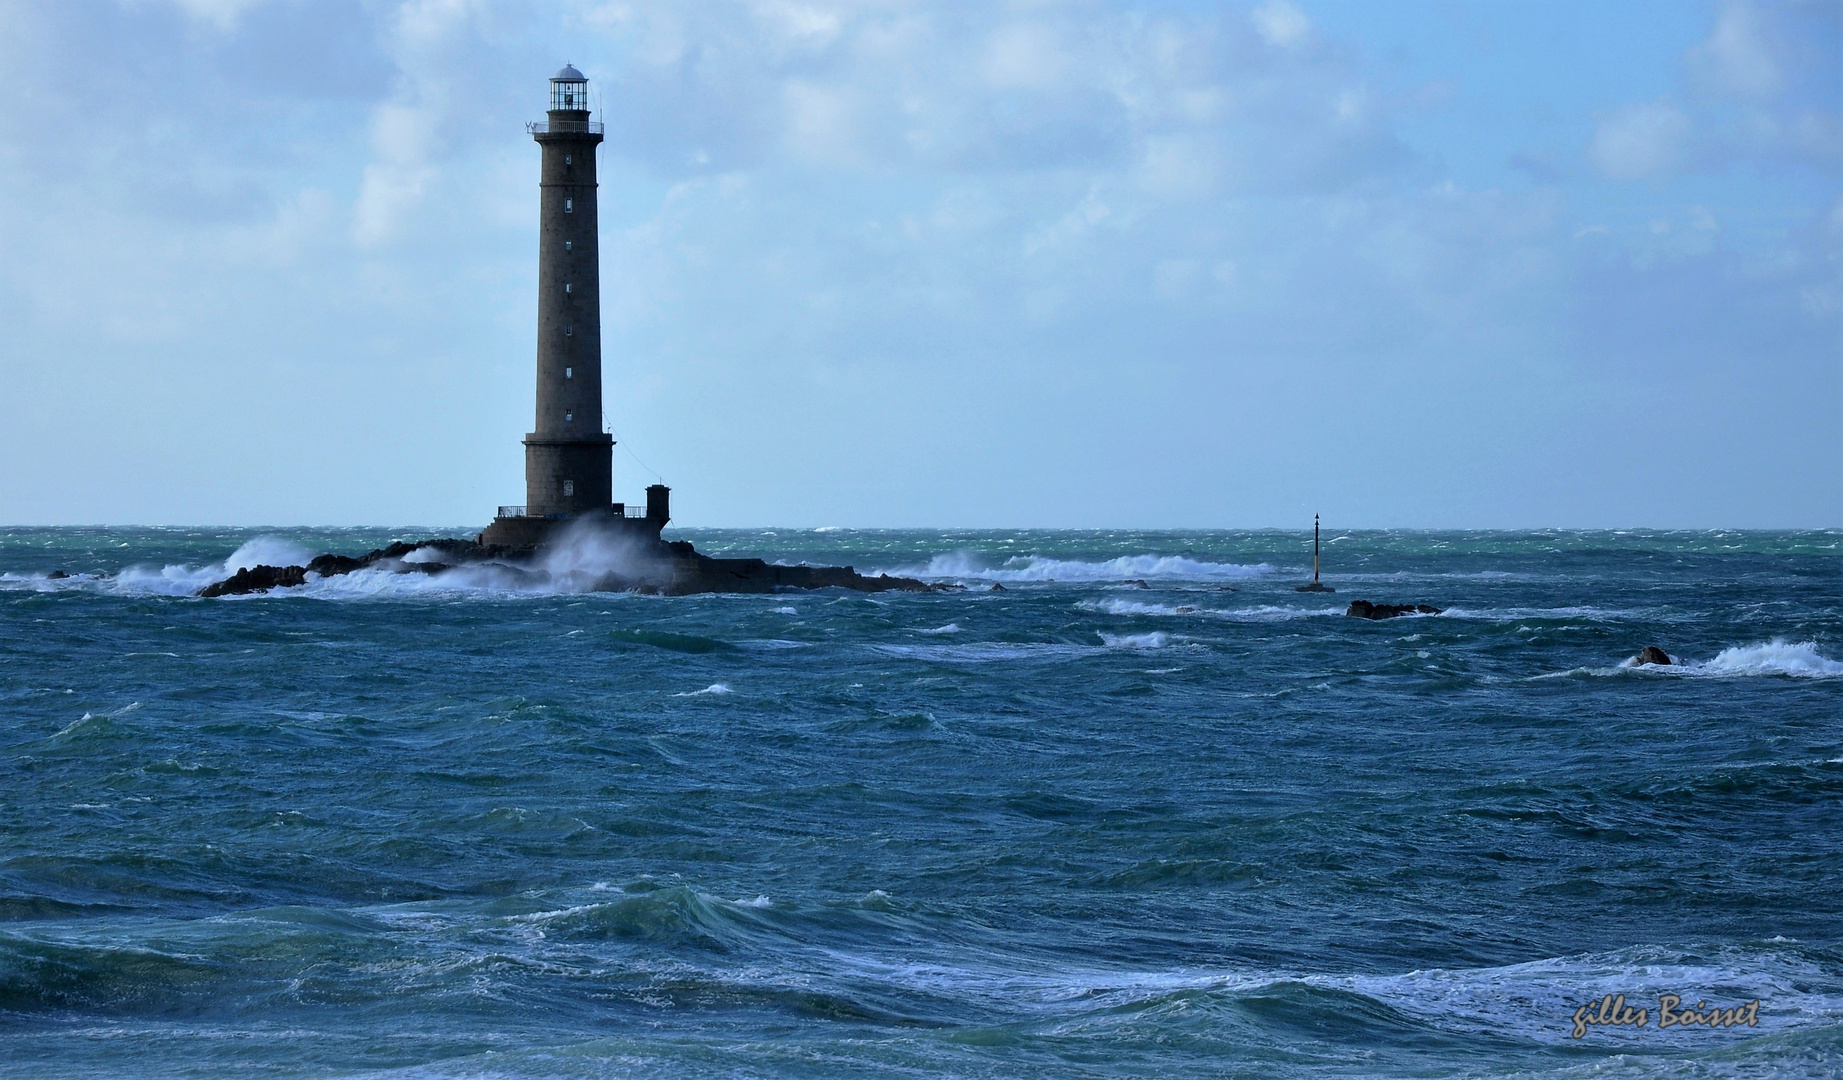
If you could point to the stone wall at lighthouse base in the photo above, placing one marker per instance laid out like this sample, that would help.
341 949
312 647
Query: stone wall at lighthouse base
530 533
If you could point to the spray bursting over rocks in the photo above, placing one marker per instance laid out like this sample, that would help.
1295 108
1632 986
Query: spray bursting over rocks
582 558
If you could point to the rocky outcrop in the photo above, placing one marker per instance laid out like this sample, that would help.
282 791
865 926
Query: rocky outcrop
257 579
671 569
1363 609
1651 654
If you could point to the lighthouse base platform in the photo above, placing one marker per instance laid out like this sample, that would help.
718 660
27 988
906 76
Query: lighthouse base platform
531 533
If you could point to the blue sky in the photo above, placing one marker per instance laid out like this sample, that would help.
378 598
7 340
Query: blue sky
1435 264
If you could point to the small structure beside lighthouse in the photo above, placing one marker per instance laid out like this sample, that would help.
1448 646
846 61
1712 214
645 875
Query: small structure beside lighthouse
568 454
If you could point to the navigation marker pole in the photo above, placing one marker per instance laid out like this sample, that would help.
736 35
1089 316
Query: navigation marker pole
1315 586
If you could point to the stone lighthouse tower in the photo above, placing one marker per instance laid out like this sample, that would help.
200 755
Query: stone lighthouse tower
568 457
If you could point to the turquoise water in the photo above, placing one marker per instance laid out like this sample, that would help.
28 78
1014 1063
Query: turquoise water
419 826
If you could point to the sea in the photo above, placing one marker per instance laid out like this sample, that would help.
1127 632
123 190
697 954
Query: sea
1112 804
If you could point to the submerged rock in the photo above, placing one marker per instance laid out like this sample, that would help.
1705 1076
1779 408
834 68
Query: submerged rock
1363 609
56 575
1651 654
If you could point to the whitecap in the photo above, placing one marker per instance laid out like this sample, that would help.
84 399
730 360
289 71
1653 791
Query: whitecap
950 628
1798 660
1257 613
715 688
1776 657
1157 639
965 564
983 652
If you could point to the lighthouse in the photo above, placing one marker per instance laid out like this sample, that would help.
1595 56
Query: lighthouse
568 454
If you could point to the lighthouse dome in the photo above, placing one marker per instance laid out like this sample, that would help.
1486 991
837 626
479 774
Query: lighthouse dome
569 74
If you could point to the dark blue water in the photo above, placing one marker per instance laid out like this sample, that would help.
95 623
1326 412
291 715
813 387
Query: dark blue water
1075 828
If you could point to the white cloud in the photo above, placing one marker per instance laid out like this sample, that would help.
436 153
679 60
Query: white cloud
1737 57
1641 141
1281 23
1025 56
927 235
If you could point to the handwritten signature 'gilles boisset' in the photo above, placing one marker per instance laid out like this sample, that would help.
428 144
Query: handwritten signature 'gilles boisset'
1612 1011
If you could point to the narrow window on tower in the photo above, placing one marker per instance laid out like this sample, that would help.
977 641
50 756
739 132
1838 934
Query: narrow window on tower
567 159
568 417
569 206
568 244
568 330
567 287
569 487
569 372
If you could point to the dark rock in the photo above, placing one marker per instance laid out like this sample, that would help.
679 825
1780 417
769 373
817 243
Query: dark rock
1139 582
1363 609
996 587
672 569
1651 654
333 565
257 579
56 575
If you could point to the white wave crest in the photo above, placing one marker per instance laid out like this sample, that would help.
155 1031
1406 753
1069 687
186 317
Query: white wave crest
981 652
713 689
1157 639
1776 657
1257 613
181 579
584 558
1533 1000
267 551
950 628
965 564
1517 614
1798 660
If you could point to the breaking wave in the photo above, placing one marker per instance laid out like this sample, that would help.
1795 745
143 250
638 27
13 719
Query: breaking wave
582 559
1256 613
1157 639
181 579
1778 657
971 565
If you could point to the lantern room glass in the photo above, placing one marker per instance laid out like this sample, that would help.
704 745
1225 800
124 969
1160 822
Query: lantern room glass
571 94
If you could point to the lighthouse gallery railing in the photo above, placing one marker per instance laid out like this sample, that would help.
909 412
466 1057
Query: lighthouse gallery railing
564 127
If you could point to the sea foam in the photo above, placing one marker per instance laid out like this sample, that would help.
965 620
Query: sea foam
180 579
966 564
1777 657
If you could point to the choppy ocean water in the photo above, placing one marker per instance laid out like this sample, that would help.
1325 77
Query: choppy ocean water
413 826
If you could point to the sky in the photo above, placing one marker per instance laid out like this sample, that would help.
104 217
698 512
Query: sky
1423 263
